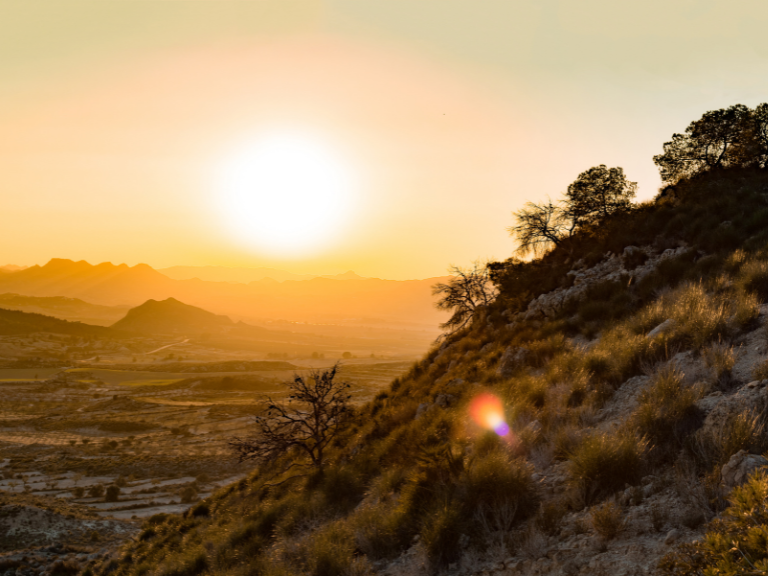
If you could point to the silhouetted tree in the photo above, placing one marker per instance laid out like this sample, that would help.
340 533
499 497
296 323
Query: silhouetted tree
464 294
539 226
593 196
725 138
596 194
321 406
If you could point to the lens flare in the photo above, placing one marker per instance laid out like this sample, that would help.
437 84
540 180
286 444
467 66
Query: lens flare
487 411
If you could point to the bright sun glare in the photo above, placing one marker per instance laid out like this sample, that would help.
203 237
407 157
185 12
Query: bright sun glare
285 194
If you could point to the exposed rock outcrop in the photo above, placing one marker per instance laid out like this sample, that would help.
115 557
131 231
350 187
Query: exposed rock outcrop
740 466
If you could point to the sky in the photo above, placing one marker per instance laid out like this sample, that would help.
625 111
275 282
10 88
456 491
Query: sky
392 137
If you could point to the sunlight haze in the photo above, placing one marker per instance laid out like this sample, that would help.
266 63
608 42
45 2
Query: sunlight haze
441 119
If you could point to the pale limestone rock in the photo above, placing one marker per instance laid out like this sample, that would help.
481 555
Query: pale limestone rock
661 329
512 358
736 471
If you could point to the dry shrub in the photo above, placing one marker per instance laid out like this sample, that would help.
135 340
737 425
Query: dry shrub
441 533
659 516
734 544
565 440
607 519
698 316
667 413
329 550
379 530
760 370
618 355
753 276
550 516
604 463
541 351
720 358
714 445
499 490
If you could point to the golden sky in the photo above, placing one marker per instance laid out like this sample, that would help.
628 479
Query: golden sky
444 116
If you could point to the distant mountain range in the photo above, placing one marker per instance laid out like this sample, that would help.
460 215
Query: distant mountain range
318 300
244 275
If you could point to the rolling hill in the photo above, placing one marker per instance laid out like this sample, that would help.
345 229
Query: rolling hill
65 308
14 322
171 316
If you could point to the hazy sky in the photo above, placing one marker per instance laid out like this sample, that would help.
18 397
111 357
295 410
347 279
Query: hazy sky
441 116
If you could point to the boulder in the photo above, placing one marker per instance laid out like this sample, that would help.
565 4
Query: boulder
423 407
672 537
740 466
512 358
661 329
444 400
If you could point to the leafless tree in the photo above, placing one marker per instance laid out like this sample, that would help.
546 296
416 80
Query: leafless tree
465 293
320 406
539 226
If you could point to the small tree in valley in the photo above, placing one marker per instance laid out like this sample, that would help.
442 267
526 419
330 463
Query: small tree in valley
316 410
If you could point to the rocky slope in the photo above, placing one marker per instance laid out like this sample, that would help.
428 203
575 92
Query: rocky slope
591 420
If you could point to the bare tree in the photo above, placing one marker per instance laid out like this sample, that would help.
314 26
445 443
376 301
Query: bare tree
321 406
539 226
466 292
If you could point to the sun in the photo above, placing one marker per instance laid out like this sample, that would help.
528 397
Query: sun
285 194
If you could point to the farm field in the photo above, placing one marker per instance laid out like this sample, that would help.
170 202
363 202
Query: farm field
157 440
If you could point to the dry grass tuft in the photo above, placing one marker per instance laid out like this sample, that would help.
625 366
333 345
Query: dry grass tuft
604 463
607 519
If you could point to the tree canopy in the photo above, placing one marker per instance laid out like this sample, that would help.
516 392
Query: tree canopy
730 137
593 196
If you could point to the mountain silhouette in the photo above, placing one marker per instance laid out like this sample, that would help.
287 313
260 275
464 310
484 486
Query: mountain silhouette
171 316
314 300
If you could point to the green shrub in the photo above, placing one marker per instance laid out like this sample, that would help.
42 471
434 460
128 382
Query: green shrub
735 544
604 463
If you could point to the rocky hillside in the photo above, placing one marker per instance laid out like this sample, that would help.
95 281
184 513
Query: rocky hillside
593 420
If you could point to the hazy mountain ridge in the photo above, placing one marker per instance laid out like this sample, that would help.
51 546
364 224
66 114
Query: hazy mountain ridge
245 275
319 299
621 401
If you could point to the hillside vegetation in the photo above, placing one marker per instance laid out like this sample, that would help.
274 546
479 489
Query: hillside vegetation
630 362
